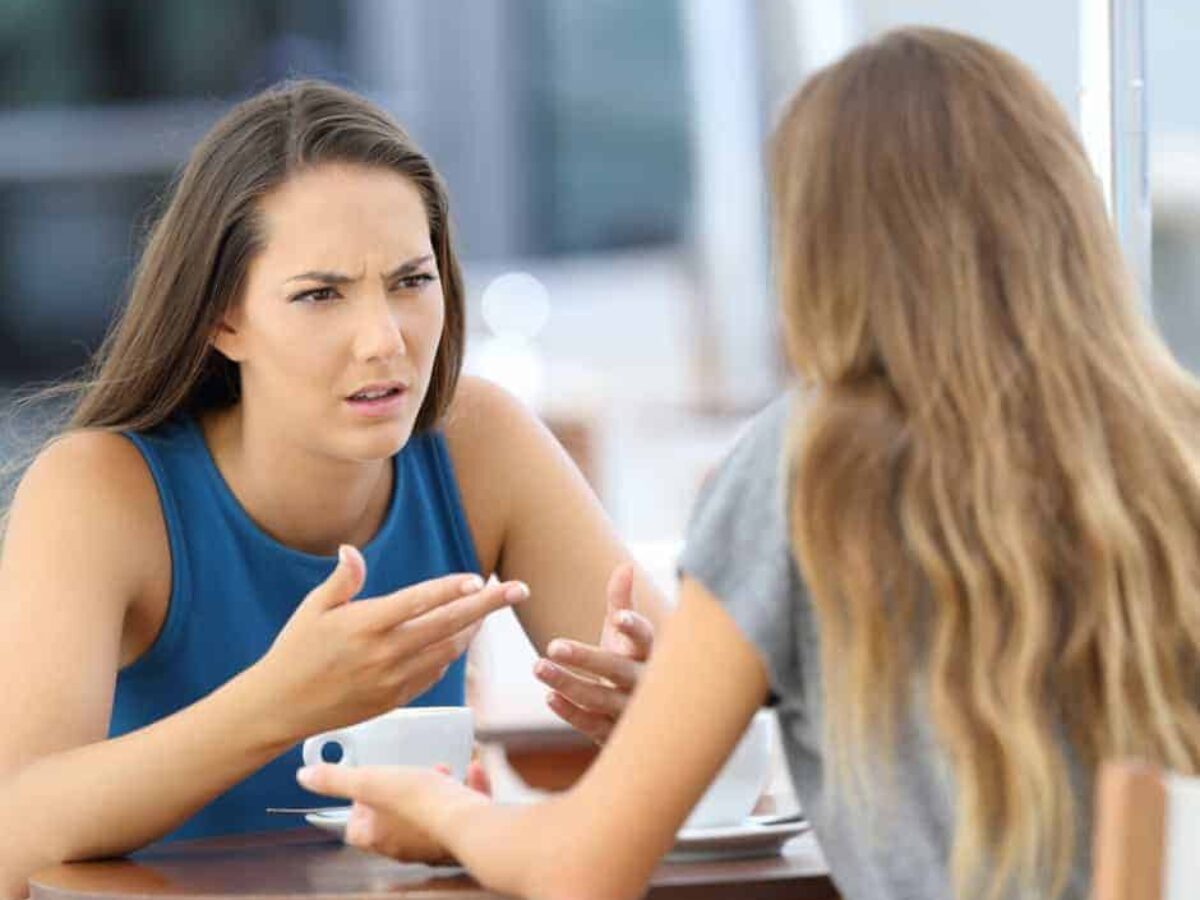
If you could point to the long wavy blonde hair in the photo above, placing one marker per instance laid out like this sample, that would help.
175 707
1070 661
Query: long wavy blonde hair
996 479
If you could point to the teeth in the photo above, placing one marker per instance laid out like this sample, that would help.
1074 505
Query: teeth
373 395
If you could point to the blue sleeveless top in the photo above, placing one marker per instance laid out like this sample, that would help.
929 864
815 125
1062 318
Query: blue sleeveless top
234 587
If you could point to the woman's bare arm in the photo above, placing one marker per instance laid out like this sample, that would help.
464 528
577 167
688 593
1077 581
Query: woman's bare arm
86 539
535 518
602 838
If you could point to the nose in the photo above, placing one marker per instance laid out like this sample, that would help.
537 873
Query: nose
380 334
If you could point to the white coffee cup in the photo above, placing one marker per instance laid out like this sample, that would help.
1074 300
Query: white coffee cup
423 736
739 784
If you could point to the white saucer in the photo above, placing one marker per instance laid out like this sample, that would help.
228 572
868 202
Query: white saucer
332 820
749 839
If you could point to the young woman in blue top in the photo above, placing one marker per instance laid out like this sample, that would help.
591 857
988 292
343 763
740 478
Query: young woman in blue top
282 388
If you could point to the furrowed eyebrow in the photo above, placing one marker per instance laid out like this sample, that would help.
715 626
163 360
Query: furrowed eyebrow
326 277
408 268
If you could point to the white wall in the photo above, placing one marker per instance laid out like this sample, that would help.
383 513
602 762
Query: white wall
1172 65
1044 34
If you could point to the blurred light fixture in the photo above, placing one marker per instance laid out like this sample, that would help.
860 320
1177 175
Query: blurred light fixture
516 307
516 304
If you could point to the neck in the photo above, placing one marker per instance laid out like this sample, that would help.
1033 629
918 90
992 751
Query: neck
304 500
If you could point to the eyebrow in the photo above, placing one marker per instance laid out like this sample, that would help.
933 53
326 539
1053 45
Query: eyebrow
341 278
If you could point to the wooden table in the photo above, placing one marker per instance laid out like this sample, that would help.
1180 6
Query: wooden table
307 863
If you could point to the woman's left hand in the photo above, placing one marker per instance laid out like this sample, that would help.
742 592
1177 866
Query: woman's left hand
394 805
592 697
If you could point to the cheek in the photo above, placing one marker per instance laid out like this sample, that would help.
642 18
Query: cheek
432 322
299 350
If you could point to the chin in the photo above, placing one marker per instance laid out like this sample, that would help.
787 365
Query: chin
380 441
385 442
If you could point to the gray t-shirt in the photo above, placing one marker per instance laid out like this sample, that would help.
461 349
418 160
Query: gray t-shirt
739 548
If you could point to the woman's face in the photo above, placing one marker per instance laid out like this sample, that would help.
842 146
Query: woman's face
338 325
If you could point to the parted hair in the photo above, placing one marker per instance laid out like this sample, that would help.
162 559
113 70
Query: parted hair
158 357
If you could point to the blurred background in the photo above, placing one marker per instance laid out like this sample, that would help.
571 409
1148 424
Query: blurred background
604 163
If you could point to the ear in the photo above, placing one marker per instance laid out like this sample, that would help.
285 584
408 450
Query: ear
227 338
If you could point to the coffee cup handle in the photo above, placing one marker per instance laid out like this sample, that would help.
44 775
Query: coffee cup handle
312 747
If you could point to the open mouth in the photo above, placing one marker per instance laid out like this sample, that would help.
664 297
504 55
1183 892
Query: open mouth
373 396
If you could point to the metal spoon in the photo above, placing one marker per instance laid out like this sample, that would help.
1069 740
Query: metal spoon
780 819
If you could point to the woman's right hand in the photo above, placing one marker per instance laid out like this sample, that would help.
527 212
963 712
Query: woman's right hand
336 662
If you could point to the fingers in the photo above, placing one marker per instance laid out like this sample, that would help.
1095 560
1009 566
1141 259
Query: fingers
620 588
638 634
380 786
379 831
441 653
593 725
343 582
399 606
415 669
625 631
362 826
590 695
412 673
617 668
478 778
391 803
349 782
458 615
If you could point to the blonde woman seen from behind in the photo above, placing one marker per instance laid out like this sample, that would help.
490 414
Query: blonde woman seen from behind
965 557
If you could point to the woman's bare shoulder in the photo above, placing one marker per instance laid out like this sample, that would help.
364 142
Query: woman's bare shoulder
485 429
90 468
90 492
478 407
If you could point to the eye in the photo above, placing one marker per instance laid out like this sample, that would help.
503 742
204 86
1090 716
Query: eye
413 282
316 295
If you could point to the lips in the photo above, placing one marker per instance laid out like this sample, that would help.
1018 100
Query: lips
376 392
379 401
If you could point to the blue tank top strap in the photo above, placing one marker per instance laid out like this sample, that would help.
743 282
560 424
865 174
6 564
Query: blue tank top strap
234 586
442 468
179 604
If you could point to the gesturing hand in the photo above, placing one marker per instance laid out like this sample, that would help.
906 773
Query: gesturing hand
591 695
336 662
394 806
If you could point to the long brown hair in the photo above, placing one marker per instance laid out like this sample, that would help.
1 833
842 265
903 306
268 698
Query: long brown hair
996 477
158 358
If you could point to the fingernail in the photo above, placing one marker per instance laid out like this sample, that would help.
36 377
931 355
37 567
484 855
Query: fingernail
625 618
343 555
516 592
560 649
544 668
305 775
472 585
